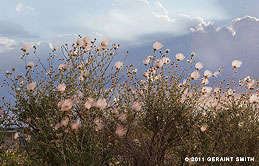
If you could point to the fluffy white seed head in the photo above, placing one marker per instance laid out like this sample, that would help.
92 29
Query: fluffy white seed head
80 42
206 90
89 103
207 74
251 85
31 86
248 79
166 60
205 81
231 92
217 90
64 121
118 64
115 46
204 127
136 106
104 43
101 104
122 117
30 64
64 67
179 57
216 73
146 61
26 47
236 64
61 87
75 125
254 98
198 66
67 105
157 46
135 71
120 131
159 63
87 41
99 124
195 75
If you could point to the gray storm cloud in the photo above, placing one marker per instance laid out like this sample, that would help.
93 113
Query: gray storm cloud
219 46
13 29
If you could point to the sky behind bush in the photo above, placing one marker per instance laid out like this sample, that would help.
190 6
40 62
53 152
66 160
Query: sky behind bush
219 31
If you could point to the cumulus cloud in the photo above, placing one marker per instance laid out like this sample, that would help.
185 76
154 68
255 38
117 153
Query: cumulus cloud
191 18
131 19
163 14
246 25
66 35
20 7
121 23
226 30
133 16
220 45
7 44
145 1
236 25
203 27
97 35
214 46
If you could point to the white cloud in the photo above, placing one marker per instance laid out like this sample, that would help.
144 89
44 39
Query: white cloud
30 8
121 23
164 14
238 23
20 7
234 27
7 44
63 39
132 19
228 29
97 35
34 43
200 25
218 46
204 27
185 16
214 46
66 35
145 1
247 18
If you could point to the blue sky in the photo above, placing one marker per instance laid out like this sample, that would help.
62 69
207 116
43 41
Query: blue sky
37 20
219 31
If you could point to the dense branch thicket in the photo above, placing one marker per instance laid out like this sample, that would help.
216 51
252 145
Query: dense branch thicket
85 109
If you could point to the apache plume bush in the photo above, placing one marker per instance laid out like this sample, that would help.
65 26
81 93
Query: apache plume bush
87 109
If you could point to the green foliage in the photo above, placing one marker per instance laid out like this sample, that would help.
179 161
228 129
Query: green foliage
14 158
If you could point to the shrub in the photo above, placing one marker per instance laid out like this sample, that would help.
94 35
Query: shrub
85 109
13 158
